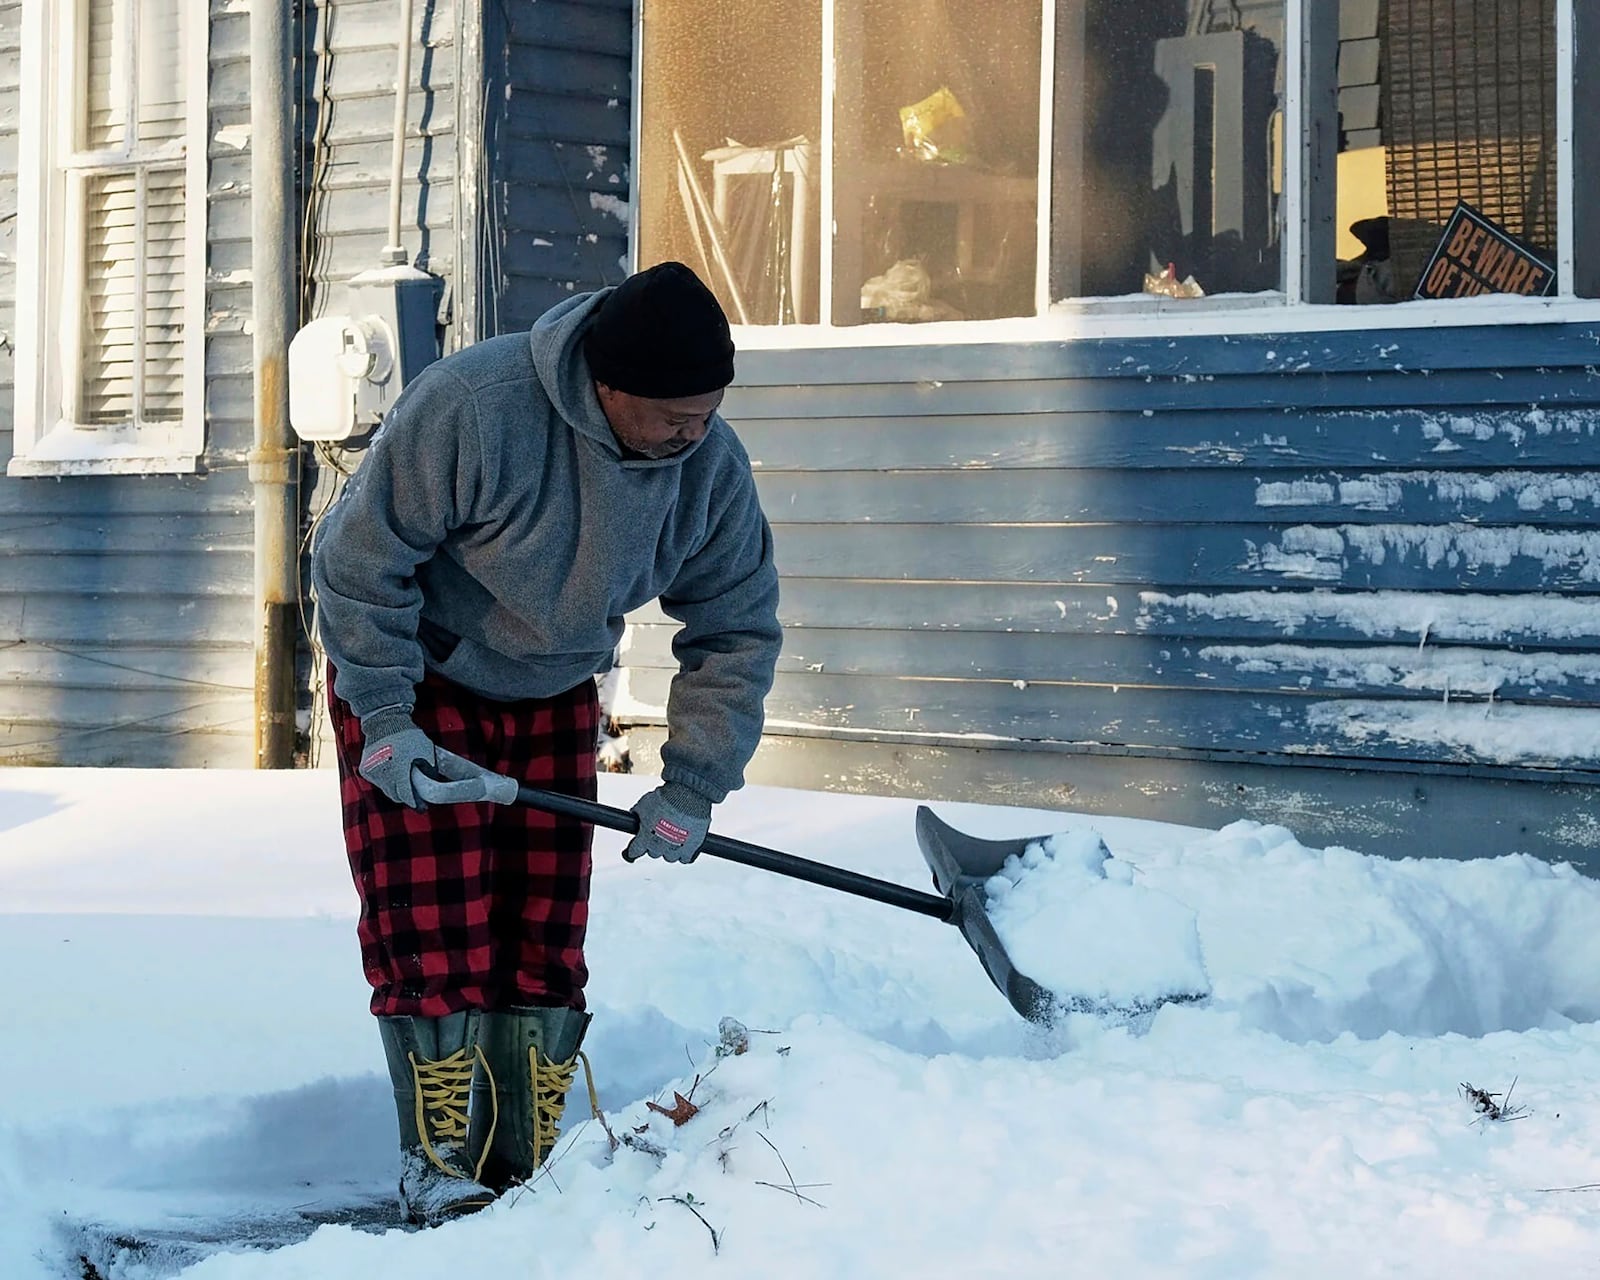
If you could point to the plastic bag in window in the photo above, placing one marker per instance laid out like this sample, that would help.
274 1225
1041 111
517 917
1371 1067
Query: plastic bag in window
936 129
902 295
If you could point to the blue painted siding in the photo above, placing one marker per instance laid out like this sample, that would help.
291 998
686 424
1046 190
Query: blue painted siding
1369 549
556 142
125 632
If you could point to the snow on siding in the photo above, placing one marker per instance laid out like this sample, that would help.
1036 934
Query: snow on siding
1315 551
1384 491
1447 671
1470 618
1548 736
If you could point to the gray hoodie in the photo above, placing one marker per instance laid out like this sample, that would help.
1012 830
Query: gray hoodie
495 533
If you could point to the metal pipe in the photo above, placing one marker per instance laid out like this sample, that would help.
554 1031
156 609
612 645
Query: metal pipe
274 461
394 252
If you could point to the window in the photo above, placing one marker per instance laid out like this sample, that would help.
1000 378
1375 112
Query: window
840 164
1168 149
1441 101
110 332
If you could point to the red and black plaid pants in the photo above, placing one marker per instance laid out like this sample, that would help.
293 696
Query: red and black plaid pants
478 906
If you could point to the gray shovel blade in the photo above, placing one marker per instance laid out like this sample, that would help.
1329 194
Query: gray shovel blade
960 864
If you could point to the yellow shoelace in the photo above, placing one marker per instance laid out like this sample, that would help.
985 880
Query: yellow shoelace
551 1083
444 1093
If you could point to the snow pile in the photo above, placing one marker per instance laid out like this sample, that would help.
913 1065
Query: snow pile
194 1048
1310 944
1072 918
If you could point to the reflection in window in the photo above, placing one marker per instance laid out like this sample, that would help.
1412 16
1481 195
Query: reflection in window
936 143
1168 150
1441 101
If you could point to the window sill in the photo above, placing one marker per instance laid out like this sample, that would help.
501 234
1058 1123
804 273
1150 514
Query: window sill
75 451
1138 316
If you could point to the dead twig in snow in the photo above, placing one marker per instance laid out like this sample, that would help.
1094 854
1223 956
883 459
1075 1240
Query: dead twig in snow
793 1188
1493 1106
689 1203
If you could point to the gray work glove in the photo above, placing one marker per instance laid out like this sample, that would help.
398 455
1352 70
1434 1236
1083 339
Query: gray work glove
402 762
673 822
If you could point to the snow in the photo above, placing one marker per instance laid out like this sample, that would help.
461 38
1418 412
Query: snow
607 203
1384 491
1442 670
1486 731
192 1039
1467 617
1315 551
1076 921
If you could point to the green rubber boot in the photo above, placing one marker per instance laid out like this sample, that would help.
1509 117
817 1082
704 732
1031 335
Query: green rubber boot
431 1063
530 1059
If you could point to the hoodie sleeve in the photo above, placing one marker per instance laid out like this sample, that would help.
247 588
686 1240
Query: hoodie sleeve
726 596
415 485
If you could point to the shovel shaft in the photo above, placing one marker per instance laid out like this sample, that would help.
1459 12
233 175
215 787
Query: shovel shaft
751 855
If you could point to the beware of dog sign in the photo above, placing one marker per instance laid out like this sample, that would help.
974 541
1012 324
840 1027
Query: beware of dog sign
1475 256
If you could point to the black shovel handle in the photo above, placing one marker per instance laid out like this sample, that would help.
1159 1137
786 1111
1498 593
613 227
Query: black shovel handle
751 855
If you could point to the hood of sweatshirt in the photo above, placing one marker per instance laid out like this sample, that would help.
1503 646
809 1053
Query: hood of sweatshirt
556 340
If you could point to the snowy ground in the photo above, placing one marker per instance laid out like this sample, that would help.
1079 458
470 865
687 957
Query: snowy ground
191 1040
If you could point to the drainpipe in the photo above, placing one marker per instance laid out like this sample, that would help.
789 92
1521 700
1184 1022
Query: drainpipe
274 461
394 253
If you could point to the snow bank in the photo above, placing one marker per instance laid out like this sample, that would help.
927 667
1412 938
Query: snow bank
1313 944
193 1044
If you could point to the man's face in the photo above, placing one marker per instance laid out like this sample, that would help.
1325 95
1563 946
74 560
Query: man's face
656 428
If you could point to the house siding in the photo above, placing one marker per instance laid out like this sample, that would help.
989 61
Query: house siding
125 603
1376 551
346 90
558 97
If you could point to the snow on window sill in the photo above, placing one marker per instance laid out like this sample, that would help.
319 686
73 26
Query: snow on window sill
1146 316
71 450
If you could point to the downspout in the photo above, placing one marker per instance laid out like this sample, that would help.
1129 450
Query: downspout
394 253
274 461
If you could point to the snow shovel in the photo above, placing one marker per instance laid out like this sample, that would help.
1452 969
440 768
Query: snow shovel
960 865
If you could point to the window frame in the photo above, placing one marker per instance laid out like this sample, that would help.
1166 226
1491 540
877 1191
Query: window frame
48 329
1307 176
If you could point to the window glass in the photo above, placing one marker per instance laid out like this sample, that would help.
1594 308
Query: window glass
729 150
1168 155
1440 102
131 208
936 142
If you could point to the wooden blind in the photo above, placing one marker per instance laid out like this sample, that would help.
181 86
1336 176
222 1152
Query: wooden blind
134 61
1469 97
106 99
130 354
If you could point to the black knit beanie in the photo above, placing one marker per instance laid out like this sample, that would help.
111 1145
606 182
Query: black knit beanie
660 334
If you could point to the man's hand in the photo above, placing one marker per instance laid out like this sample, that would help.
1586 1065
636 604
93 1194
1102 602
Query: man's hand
673 822
402 762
